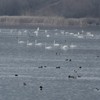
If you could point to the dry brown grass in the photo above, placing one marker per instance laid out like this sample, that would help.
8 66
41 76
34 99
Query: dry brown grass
46 21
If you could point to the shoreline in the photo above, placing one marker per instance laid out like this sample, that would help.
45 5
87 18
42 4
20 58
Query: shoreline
46 22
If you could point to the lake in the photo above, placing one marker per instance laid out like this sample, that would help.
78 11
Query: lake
50 64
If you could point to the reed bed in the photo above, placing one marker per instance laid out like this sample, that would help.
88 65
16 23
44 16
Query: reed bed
45 21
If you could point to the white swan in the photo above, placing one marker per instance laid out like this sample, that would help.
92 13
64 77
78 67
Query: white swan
38 29
47 35
82 31
38 44
56 44
62 32
36 32
48 47
20 41
46 31
71 33
78 33
64 47
29 43
80 36
25 31
72 46
89 34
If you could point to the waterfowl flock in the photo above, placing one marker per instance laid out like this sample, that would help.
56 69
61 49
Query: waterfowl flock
49 64
50 42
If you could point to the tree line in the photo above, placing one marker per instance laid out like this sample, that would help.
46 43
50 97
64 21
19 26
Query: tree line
65 8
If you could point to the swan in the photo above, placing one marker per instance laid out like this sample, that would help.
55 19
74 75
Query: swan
64 47
29 43
37 31
62 32
56 44
47 35
82 31
80 36
72 46
20 41
48 47
89 34
46 31
38 44
25 31
78 33
71 33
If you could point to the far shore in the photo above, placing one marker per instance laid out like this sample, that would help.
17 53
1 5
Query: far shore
46 22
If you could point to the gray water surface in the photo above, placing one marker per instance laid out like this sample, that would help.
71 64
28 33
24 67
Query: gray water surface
72 73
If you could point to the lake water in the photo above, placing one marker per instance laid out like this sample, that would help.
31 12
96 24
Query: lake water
38 64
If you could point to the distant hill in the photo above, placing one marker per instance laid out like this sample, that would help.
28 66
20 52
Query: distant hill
65 8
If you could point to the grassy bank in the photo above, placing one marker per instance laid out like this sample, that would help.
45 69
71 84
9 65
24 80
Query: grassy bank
29 21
